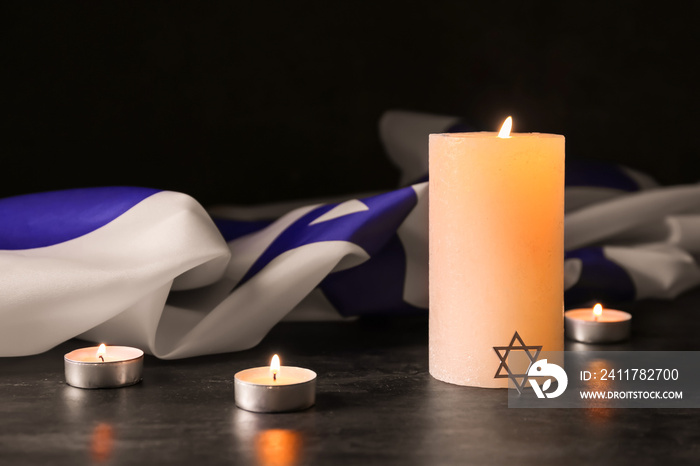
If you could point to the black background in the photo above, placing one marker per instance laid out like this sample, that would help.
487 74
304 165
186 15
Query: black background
248 102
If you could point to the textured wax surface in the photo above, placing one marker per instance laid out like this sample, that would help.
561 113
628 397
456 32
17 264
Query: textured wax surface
496 250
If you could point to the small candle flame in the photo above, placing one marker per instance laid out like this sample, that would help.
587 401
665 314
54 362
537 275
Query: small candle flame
597 311
505 129
275 366
101 351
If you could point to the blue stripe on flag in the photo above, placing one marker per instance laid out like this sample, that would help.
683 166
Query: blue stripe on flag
370 229
43 219
601 280
374 287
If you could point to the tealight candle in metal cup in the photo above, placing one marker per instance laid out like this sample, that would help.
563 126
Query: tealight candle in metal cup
597 325
275 389
103 367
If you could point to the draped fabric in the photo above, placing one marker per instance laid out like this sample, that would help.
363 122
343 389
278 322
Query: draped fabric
154 269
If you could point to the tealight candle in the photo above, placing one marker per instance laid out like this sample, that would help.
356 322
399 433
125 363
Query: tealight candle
275 388
597 325
103 367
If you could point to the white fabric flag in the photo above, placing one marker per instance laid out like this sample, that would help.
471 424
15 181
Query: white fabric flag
153 269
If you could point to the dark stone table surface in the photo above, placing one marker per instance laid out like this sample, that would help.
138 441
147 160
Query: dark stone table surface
376 404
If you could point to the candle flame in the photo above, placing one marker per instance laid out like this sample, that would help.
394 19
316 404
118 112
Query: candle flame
597 310
505 129
275 366
101 352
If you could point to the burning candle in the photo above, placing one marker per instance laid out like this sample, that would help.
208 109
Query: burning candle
597 325
275 388
103 367
496 249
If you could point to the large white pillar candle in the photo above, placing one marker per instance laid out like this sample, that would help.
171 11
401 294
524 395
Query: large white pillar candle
496 250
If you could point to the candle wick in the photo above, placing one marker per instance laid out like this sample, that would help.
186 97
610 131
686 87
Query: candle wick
100 356
274 376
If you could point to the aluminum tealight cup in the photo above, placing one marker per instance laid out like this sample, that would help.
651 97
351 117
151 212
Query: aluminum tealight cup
123 366
254 393
616 327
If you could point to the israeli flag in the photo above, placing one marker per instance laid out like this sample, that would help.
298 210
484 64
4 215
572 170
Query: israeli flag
155 270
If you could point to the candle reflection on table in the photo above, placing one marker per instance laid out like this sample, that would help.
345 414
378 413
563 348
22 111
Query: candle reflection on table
102 442
278 447
268 440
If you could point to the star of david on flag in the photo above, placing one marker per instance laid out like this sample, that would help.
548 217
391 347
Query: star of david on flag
156 270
